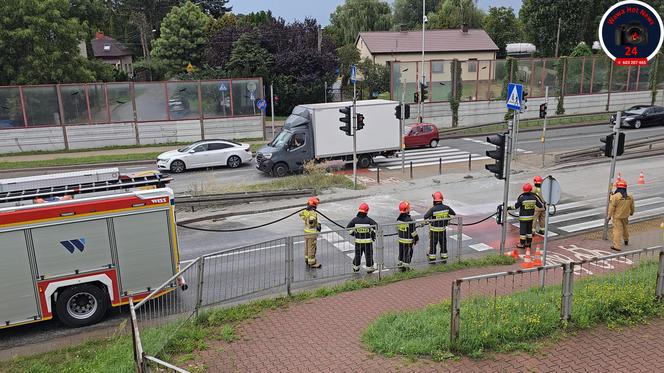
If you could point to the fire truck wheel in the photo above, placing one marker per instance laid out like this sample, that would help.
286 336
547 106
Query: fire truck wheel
81 305
178 166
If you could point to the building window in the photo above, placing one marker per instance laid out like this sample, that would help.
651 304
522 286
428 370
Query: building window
437 67
472 65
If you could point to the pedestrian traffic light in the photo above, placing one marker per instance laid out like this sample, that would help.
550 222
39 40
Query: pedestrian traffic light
276 100
416 97
542 111
524 103
360 121
397 112
406 111
424 88
498 154
345 120
607 148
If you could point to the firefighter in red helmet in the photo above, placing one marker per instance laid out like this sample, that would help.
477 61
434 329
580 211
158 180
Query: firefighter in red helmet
311 228
438 216
408 237
526 204
621 207
363 228
538 219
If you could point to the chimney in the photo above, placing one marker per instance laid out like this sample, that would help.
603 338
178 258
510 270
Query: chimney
464 28
403 28
99 35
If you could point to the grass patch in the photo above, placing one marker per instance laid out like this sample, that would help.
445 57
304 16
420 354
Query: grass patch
115 354
316 181
517 321
535 123
80 160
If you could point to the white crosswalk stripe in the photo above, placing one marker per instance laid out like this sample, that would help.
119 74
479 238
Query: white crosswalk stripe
427 157
491 145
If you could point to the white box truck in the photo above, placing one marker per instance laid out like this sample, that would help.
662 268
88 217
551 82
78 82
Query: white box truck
312 132
68 255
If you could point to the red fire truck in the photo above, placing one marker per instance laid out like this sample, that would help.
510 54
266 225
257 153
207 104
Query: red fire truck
73 245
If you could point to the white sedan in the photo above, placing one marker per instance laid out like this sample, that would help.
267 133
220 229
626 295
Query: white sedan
205 153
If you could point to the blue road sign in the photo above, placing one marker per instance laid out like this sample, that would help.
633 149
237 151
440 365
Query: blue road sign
514 96
353 73
261 104
223 87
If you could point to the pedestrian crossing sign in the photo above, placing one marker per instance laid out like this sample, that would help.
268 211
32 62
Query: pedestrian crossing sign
514 96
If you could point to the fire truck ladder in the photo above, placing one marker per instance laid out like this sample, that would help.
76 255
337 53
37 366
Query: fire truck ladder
79 182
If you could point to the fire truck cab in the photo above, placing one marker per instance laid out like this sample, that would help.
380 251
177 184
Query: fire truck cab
98 242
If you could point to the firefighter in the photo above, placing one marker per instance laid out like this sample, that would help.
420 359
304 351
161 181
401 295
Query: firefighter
407 236
526 204
621 207
311 227
363 229
538 219
438 215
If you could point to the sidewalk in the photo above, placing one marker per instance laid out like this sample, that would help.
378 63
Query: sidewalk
323 335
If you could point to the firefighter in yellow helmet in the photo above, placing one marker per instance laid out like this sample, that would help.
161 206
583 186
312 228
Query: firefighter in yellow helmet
439 217
407 236
311 228
538 219
621 207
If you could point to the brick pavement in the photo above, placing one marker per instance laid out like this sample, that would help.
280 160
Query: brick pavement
323 335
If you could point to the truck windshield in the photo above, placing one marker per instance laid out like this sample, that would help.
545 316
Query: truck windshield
281 140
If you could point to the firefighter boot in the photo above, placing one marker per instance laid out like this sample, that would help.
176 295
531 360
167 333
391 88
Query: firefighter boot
312 263
443 258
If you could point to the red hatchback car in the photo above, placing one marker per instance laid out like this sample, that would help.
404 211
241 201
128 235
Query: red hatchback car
420 134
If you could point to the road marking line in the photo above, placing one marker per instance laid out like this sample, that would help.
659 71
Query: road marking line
480 247
463 237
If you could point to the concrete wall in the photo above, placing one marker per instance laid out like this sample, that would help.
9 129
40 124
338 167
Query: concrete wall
100 135
486 112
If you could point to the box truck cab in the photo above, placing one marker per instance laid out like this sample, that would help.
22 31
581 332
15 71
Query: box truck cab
312 132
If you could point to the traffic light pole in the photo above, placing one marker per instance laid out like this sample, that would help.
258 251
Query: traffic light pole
354 122
506 191
401 125
546 119
614 155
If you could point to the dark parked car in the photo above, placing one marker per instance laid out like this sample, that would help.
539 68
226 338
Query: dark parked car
640 116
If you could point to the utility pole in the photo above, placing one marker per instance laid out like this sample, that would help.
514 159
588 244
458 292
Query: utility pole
420 105
614 153
325 98
558 36
272 106
546 119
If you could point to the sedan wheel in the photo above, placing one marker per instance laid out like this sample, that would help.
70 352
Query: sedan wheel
637 124
178 166
234 161
433 143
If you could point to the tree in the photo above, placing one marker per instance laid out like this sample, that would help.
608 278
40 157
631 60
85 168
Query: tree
348 55
248 58
355 16
540 26
214 8
376 77
581 50
255 19
39 41
182 38
454 13
409 12
502 26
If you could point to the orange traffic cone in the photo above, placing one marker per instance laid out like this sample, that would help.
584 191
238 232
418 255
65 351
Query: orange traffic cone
527 262
537 262
515 254
642 179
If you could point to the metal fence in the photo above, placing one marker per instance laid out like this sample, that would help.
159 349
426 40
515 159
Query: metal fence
479 305
123 102
483 80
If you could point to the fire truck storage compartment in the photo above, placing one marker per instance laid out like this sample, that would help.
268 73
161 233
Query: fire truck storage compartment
17 290
53 243
143 242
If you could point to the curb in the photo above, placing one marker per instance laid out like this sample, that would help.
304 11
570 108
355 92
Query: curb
524 130
251 212
79 166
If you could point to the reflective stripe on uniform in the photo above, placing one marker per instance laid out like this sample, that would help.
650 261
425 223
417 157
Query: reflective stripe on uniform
307 230
526 218
405 240
437 229
363 240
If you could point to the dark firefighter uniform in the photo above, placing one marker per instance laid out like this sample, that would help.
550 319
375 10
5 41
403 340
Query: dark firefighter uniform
526 204
311 228
362 228
438 216
407 235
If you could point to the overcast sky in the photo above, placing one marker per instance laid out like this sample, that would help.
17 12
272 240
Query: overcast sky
321 9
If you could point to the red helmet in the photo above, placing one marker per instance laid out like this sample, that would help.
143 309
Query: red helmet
363 208
621 183
404 207
437 197
527 187
537 179
313 201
